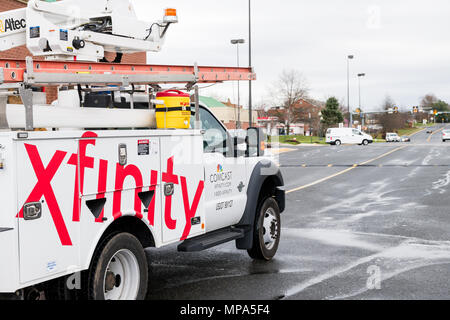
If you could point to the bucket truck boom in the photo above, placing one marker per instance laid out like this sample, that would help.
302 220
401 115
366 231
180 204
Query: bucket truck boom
82 30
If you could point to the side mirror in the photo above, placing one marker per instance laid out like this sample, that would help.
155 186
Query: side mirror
255 142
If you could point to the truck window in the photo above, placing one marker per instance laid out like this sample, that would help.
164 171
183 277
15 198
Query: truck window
215 137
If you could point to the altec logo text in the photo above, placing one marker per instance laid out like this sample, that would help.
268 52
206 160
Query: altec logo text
12 24
81 162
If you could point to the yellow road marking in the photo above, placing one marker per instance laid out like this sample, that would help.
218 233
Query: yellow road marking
342 172
282 150
417 132
382 156
431 135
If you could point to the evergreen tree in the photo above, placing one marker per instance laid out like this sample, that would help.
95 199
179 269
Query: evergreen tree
331 114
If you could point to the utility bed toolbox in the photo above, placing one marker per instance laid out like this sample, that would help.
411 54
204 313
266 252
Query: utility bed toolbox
61 190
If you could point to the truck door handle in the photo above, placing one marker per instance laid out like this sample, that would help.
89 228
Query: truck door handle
32 211
169 189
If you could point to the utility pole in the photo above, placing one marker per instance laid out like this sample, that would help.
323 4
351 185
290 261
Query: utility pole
360 75
350 57
310 127
250 102
237 42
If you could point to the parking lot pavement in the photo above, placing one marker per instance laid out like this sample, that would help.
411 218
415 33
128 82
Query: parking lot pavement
361 223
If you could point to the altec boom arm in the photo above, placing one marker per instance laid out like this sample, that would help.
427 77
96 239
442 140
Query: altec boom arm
81 29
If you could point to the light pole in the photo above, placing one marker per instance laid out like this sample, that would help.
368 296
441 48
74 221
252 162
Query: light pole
349 57
250 107
360 75
237 42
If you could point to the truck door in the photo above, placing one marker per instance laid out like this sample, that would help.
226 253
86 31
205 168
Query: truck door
225 175
183 194
48 237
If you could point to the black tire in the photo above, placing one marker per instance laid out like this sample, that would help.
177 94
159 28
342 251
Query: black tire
108 249
365 143
260 251
58 290
337 143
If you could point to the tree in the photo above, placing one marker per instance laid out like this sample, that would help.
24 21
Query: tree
331 114
388 103
428 101
289 89
440 106
391 122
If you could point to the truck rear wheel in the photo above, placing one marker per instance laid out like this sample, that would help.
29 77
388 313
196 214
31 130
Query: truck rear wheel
266 236
119 270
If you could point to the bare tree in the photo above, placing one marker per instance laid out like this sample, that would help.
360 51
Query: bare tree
288 90
428 101
391 121
388 103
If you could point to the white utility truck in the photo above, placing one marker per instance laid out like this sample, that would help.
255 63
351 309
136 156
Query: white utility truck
92 179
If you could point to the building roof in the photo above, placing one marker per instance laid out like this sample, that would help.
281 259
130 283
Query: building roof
211 102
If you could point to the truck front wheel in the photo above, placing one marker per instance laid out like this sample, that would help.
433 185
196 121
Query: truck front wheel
266 236
119 270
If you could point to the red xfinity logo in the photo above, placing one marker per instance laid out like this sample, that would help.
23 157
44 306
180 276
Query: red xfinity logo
82 162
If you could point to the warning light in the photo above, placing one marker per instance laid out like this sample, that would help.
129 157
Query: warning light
171 12
170 15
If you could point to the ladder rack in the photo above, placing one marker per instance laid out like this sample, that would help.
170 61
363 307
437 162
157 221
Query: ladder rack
41 73
23 75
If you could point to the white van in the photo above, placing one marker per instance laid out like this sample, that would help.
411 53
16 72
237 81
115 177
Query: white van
393 137
338 136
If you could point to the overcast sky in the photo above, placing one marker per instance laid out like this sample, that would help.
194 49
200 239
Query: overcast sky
403 46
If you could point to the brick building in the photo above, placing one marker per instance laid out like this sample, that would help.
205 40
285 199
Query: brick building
227 113
305 114
22 52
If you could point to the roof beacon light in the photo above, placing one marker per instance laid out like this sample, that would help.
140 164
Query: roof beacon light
170 15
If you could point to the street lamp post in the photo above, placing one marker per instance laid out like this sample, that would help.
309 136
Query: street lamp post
350 57
237 42
250 107
360 75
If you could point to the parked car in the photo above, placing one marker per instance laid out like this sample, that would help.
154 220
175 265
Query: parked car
338 136
392 137
405 139
445 135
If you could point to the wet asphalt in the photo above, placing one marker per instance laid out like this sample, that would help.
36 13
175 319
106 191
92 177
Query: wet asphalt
376 226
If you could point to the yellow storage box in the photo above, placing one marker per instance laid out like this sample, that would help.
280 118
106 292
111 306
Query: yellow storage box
176 111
